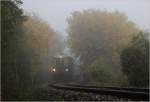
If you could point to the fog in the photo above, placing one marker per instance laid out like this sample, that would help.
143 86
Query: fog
57 42
55 12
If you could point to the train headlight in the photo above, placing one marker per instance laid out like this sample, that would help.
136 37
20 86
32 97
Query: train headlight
66 69
54 70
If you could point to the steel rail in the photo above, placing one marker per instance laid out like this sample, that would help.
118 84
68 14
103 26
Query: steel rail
134 89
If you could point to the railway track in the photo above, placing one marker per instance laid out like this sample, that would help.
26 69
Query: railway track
134 94
133 89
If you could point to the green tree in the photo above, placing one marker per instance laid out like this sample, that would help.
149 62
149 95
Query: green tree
15 60
28 44
103 73
135 61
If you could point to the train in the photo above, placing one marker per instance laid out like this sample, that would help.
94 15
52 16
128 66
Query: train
61 69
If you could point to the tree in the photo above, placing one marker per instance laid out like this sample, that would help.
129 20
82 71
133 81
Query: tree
135 61
103 73
28 44
97 34
43 43
15 62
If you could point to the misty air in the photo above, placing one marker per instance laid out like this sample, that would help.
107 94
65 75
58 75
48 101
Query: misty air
75 50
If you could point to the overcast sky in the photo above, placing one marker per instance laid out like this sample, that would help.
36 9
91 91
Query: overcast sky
55 12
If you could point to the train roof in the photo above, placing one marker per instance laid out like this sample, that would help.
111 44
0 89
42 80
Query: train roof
62 56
